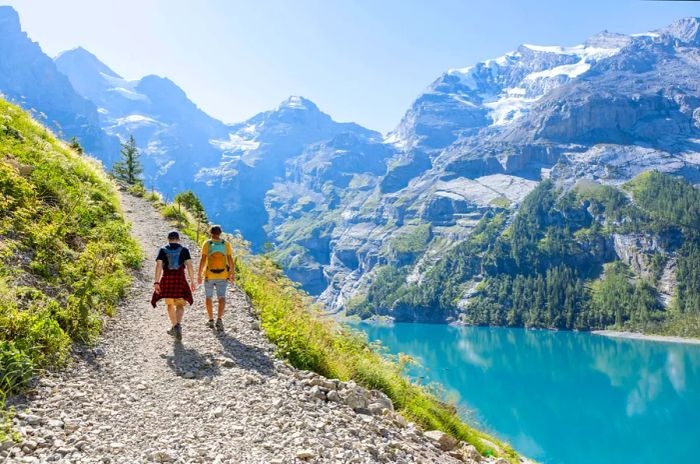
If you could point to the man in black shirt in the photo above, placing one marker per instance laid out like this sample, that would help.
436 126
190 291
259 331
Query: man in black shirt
170 282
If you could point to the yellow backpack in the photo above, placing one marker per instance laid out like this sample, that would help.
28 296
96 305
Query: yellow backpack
216 257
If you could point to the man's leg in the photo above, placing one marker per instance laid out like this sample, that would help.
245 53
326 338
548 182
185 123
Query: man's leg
208 302
221 296
222 306
174 319
180 311
209 295
171 313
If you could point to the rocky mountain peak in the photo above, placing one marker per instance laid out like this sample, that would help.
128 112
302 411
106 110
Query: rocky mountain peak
157 86
81 60
9 20
608 40
295 102
686 30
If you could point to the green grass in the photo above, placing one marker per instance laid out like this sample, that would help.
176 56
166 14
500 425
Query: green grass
411 239
500 202
65 250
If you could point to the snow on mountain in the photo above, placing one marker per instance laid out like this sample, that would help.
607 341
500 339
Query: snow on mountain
503 89
170 130
481 137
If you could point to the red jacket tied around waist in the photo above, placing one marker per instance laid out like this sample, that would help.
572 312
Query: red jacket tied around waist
173 284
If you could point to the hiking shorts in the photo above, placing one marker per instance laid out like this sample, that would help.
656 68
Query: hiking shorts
178 302
220 285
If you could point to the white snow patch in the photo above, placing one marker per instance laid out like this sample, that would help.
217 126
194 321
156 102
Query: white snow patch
125 88
464 101
579 50
546 48
569 70
235 143
293 102
508 108
393 138
465 75
250 129
129 94
210 176
646 34
136 120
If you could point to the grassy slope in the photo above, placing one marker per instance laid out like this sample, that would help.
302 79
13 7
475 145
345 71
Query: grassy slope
310 341
65 249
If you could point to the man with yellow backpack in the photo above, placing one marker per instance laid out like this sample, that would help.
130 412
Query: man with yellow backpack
217 269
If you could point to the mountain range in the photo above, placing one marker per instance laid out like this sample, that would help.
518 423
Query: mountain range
341 204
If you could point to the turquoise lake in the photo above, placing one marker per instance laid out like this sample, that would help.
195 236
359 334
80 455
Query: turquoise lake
564 397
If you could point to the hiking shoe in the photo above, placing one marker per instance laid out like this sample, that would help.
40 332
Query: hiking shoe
171 331
219 325
178 332
210 324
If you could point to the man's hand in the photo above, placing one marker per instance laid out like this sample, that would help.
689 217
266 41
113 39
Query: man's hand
193 286
232 279
156 287
199 279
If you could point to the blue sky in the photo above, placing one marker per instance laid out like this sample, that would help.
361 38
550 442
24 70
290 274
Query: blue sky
359 60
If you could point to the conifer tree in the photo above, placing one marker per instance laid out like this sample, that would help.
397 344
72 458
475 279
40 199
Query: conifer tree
129 169
75 145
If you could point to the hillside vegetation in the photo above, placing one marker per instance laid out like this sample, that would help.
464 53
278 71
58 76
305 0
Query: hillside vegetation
555 266
65 249
309 340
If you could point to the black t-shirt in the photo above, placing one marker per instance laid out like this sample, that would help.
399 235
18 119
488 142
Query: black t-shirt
184 254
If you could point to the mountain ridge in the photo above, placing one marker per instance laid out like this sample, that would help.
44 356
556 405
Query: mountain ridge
336 199
30 78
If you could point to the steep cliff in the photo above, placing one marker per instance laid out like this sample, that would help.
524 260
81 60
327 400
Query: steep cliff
480 138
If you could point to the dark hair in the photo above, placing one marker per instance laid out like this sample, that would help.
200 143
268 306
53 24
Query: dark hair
173 235
215 230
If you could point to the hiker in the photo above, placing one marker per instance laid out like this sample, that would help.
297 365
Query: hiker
217 261
170 282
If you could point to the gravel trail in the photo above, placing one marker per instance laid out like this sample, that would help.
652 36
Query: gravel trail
139 396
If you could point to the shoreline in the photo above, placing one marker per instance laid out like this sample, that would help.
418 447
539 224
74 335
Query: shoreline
641 336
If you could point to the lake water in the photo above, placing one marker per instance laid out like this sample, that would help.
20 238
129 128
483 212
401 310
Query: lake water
564 397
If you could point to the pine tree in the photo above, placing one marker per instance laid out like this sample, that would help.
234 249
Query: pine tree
129 169
194 205
75 145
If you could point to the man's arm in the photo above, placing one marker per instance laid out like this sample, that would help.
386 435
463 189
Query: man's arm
190 272
232 269
159 273
202 264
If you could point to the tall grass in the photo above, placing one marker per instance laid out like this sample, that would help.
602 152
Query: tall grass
65 249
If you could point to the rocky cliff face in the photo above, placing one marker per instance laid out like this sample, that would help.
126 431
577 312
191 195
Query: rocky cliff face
30 78
480 138
269 148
